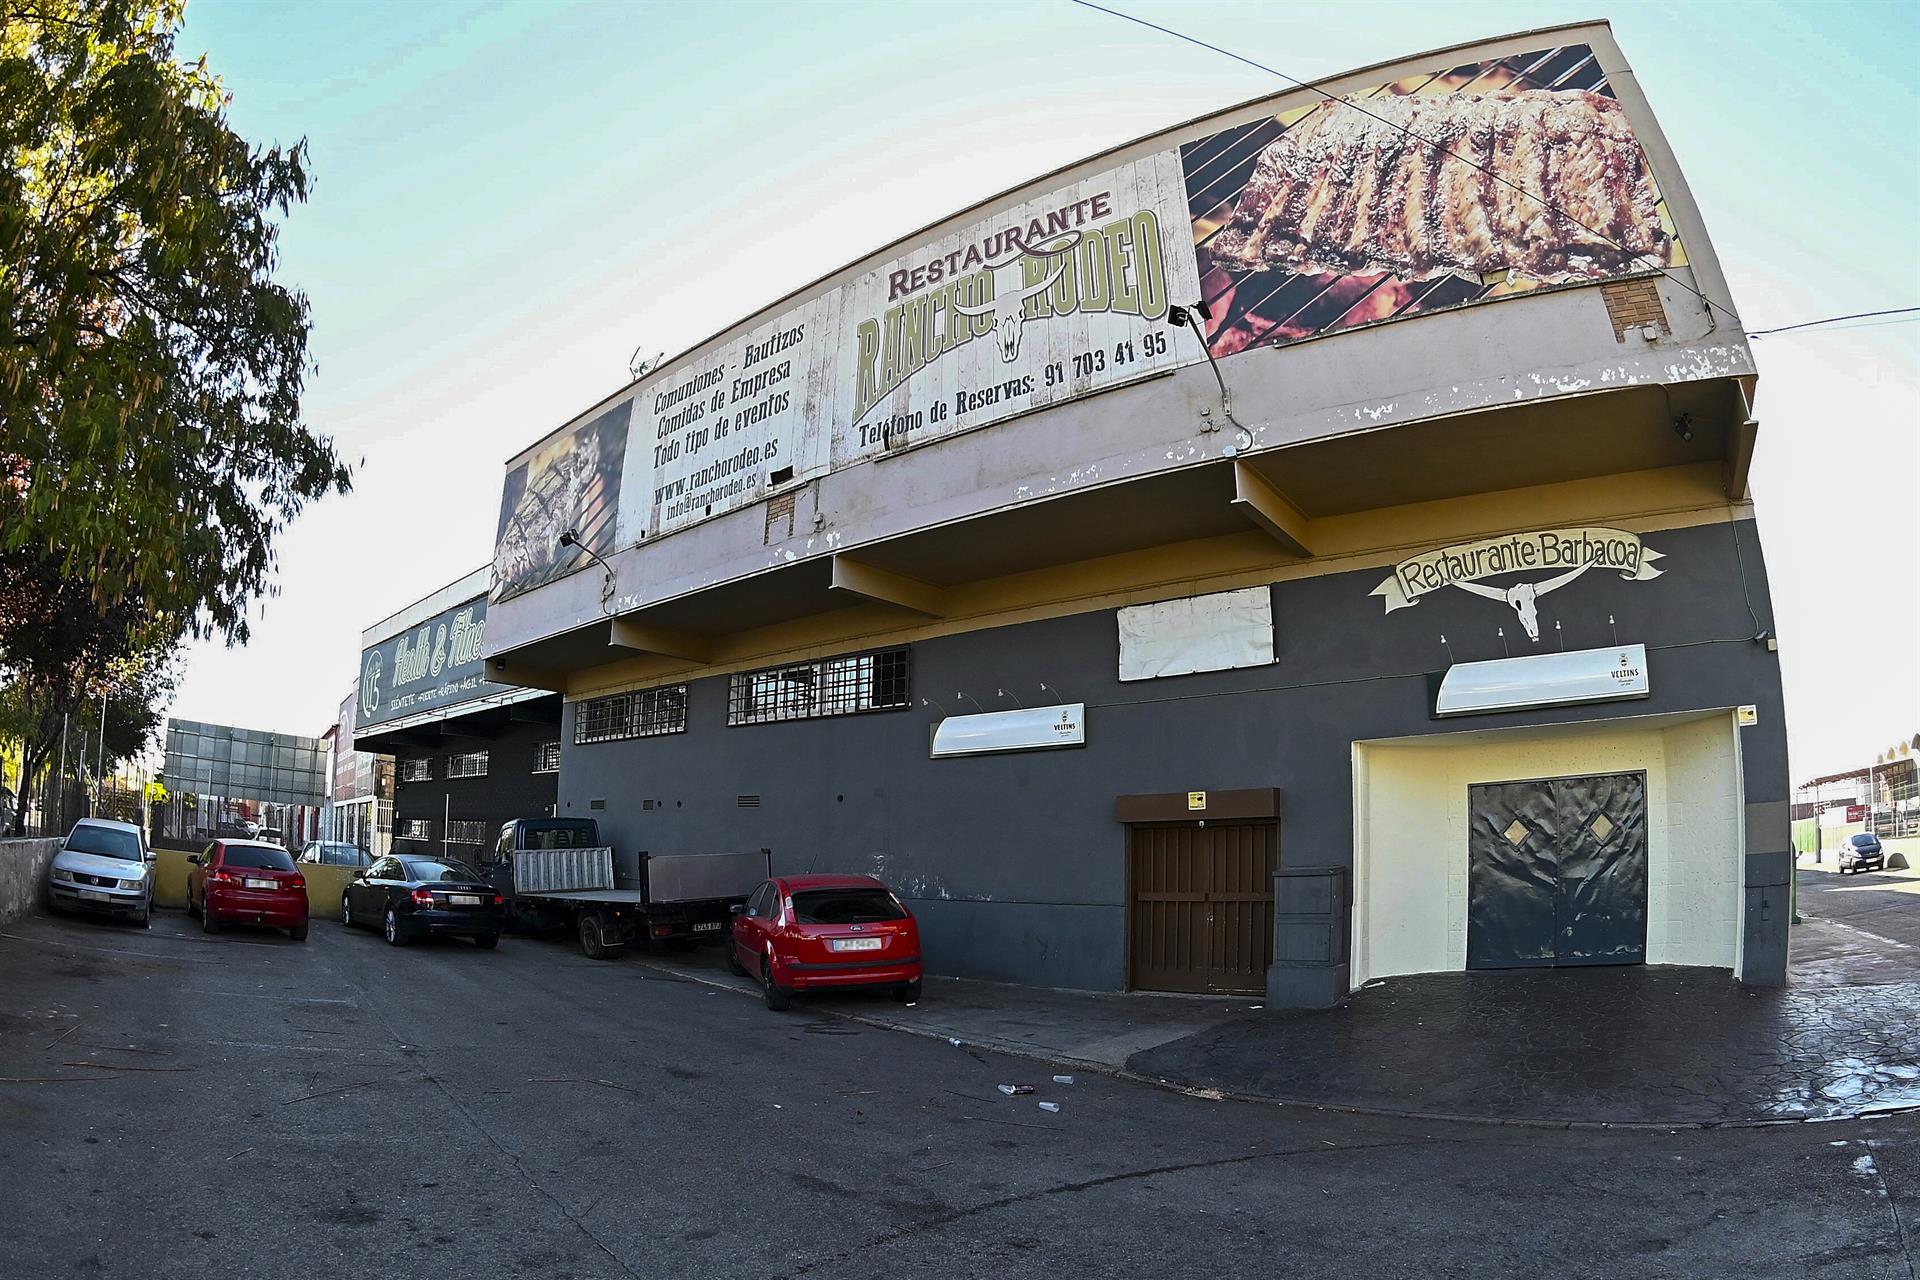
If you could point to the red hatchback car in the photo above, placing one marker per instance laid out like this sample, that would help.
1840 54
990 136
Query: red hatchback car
247 882
825 933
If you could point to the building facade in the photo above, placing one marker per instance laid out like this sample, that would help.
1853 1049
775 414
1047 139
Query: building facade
1305 546
359 809
467 754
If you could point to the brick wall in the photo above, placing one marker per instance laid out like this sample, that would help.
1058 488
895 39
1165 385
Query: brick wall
1632 304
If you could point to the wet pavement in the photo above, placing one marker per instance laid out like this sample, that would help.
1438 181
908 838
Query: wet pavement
1561 1046
1637 1045
1640 1045
440 1111
1631 1045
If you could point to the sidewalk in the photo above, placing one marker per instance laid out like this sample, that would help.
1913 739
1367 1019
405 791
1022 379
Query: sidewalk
1612 1046
1096 1030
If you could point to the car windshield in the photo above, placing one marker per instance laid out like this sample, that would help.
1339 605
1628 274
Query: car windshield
569 835
1865 842
260 856
449 870
108 842
845 906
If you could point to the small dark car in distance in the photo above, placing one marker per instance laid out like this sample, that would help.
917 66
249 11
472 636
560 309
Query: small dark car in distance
415 896
247 882
825 933
1862 852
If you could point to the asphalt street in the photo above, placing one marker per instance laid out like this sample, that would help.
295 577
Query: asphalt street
177 1105
1869 914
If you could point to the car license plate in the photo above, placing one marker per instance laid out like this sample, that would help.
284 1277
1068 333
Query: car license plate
707 926
262 884
857 944
464 899
94 895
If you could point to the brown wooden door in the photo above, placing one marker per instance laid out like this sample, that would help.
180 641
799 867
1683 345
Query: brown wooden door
1202 906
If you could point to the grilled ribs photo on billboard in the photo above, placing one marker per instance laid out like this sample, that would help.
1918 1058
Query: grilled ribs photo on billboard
1345 191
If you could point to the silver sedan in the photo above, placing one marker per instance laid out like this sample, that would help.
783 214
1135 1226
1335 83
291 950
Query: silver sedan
102 867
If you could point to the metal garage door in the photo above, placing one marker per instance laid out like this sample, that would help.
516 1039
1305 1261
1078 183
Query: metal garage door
1202 906
1557 872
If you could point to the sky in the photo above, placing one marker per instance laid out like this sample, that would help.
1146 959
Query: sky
511 198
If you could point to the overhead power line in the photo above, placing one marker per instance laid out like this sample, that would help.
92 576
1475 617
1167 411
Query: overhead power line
1858 315
1541 200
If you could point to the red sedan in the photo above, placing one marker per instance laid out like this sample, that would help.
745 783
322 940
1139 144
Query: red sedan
825 933
247 882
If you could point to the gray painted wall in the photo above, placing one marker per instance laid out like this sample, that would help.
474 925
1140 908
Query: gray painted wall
1015 863
23 875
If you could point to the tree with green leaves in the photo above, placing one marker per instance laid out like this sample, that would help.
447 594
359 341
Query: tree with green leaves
151 366
85 669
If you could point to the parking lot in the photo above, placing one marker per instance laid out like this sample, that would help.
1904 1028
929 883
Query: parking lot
177 1104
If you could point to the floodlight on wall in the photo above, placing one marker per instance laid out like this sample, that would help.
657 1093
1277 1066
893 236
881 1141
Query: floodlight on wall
570 538
1192 318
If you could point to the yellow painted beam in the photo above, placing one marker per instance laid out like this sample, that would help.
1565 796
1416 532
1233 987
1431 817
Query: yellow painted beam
1740 440
871 583
1267 508
641 638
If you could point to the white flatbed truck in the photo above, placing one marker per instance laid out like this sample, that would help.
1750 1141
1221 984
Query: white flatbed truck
555 873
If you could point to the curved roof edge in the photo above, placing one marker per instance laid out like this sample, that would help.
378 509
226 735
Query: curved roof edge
919 234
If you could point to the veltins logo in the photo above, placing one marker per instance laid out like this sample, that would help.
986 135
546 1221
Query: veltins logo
1564 554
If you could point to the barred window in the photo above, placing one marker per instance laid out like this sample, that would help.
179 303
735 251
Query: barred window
471 765
640 714
416 770
827 687
546 757
466 831
415 829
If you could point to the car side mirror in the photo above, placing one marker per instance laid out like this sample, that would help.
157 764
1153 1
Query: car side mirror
738 909
194 858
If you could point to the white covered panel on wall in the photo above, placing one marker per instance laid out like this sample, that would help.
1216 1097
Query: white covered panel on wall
1217 632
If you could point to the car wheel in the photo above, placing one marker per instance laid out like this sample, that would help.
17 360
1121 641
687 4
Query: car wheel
594 942
191 909
779 998
299 932
145 918
908 993
487 941
396 936
207 923
346 911
734 966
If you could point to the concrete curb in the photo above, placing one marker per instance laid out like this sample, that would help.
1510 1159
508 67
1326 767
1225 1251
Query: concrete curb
1029 1053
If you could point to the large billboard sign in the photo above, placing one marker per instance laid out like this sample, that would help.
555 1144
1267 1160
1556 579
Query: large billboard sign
1459 185
431 665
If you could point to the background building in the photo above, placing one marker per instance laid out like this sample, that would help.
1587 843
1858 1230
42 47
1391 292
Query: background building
1307 545
467 753
224 780
359 810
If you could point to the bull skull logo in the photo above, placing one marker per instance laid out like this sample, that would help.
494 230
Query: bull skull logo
1522 596
1009 305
